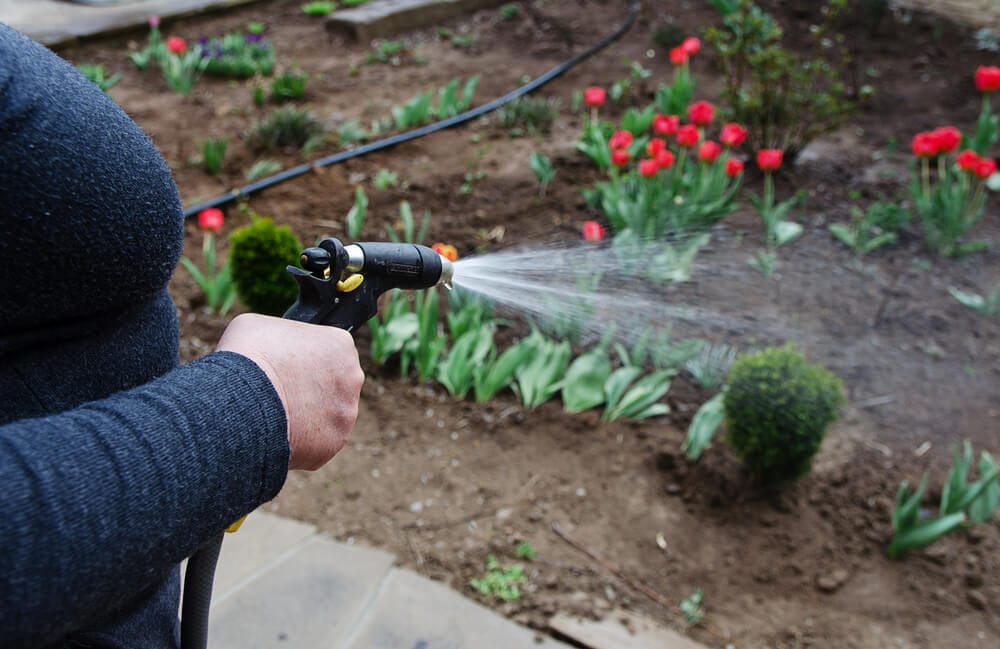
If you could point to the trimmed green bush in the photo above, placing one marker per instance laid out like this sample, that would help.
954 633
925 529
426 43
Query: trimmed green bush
778 407
259 253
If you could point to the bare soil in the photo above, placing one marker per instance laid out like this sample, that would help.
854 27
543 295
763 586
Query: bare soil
442 483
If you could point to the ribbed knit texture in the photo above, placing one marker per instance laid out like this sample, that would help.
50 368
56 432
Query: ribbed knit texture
115 464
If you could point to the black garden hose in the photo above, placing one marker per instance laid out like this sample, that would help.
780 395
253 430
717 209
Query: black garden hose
399 138
200 571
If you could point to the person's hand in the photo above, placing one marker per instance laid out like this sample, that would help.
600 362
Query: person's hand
316 373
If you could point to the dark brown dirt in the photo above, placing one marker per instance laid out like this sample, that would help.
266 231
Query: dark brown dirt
443 483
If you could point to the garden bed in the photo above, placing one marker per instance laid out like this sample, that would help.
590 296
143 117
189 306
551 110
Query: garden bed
442 483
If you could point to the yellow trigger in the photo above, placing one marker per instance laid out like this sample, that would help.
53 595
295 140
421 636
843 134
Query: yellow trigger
235 526
351 283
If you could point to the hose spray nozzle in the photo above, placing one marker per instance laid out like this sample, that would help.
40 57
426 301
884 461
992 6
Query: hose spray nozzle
340 285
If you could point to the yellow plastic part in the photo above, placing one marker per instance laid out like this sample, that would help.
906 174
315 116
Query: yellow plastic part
235 526
351 283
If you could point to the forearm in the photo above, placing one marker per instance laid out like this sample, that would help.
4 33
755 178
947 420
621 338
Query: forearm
104 499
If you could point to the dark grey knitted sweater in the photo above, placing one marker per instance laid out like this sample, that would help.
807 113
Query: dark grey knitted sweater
115 464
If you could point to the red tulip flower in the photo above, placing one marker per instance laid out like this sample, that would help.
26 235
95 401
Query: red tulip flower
691 45
620 140
988 78
925 145
665 159
701 113
666 125
177 45
210 219
967 160
648 167
985 168
709 151
734 167
446 250
948 138
733 135
688 136
770 159
655 146
679 56
594 96
620 157
593 231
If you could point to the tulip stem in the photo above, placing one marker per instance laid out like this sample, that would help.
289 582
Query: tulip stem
925 171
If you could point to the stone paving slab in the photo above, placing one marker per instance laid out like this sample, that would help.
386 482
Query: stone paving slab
383 18
54 22
308 601
412 612
621 630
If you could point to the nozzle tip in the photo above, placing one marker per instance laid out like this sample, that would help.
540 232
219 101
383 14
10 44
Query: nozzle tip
447 271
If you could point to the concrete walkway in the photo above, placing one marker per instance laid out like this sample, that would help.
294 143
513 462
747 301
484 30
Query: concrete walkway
280 583
53 22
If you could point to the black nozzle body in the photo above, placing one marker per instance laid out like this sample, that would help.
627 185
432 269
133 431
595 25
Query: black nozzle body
331 294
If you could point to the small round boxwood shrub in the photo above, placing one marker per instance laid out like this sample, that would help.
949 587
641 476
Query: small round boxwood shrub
778 407
259 253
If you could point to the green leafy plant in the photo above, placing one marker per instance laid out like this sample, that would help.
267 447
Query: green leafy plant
457 371
421 109
496 372
287 127
783 99
259 254
451 102
154 50
703 427
466 312
390 52
623 87
458 41
213 154
500 582
961 500
533 114
711 364
355 219
351 132
870 229
237 55
670 260
385 179
262 168
216 283
289 85
988 305
777 230
540 376
583 384
627 398
97 74
410 233
318 9
545 173
691 607
392 328
777 409
509 11
951 201
524 550
423 352
764 262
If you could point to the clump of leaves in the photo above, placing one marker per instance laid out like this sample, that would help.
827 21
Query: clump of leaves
356 216
390 52
213 154
777 409
259 254
988 305
545 172
960 498
458 41
237 55
871 229
509 11
262 168
500 582
691 607
524 550
540 377
97 74
318 8
785 100
534 114
711 364
289 85
385 179
287 127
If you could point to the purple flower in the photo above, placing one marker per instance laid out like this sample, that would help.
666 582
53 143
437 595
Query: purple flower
203 41
253 38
